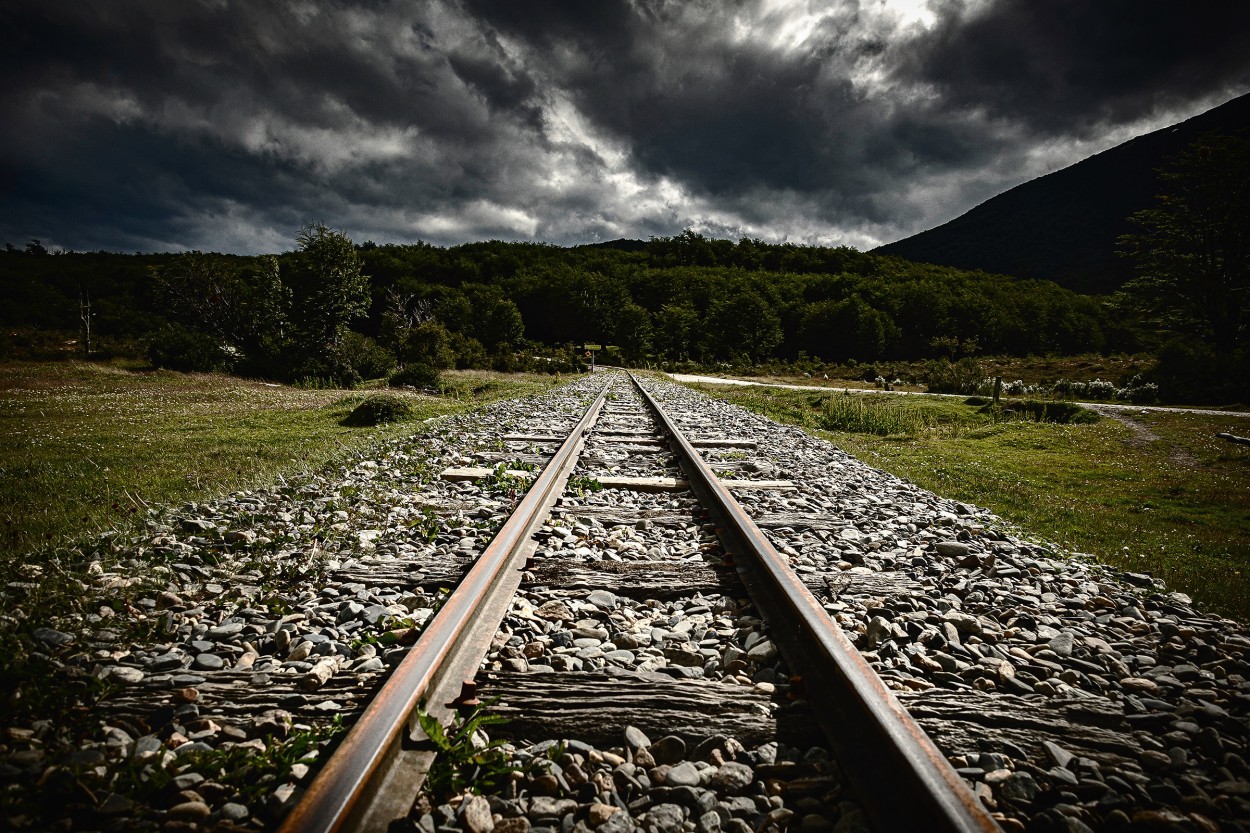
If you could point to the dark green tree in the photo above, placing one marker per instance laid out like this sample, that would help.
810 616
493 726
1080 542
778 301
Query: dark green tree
841 330
266 318
330 290
742 323
496 321
428 344
205 291
632 331
676 331
1193 253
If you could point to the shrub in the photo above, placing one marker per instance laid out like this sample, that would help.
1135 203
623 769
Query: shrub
380 409
1190 371
965 376
871 415
359 357
1097 389
1139 392
429 345
504 362
1064 413
469 352
417 376
187 351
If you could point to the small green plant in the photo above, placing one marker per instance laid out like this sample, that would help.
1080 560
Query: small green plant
500 480
250 773
463 762
379 409
425 526
582 485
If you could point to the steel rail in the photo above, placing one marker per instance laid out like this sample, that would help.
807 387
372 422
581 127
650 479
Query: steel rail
372 775
906 782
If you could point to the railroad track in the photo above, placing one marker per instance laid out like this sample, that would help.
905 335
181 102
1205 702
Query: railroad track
899 778
222 645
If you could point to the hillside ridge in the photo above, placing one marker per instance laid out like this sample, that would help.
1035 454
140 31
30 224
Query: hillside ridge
1063 226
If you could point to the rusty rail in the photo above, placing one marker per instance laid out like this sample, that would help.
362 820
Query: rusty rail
374 775
905 781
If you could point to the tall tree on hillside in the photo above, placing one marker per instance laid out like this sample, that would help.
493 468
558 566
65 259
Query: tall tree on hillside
330 289
743 324
631 331
676 331
841 330
497 322
1193 253
204 291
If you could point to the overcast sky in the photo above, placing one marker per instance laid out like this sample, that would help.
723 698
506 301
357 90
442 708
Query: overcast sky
219 125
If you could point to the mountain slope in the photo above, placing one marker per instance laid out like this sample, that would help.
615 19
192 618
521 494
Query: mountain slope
1063 226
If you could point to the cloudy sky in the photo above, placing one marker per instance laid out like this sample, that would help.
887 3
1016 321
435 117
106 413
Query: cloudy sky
156 126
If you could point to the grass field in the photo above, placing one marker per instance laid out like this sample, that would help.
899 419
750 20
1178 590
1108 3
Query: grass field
86 447
1163 496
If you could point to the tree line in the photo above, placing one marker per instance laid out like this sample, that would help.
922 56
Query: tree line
333 309
337 311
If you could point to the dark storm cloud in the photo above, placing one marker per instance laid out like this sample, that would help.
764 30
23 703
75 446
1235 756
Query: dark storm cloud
225 125
691 101
1067 65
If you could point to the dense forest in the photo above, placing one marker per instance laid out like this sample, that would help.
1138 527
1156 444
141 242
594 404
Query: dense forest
683 298
339 312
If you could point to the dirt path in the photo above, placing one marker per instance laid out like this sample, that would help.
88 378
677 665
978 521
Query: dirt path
1142 435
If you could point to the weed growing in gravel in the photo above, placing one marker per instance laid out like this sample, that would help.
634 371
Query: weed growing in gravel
466 758
52 602
250 772
390 631
582 485
500 482
425 526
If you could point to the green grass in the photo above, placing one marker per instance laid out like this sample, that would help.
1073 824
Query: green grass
87 447
870 415
1177 506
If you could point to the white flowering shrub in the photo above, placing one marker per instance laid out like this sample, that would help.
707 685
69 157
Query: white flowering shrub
1136 390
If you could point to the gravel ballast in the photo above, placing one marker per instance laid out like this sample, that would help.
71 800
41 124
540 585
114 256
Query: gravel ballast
1069 695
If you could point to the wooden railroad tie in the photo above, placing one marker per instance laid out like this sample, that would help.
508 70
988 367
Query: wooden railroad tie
460 474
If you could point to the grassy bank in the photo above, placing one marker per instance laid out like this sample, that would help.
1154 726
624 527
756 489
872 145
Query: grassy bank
1162 495
86 447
